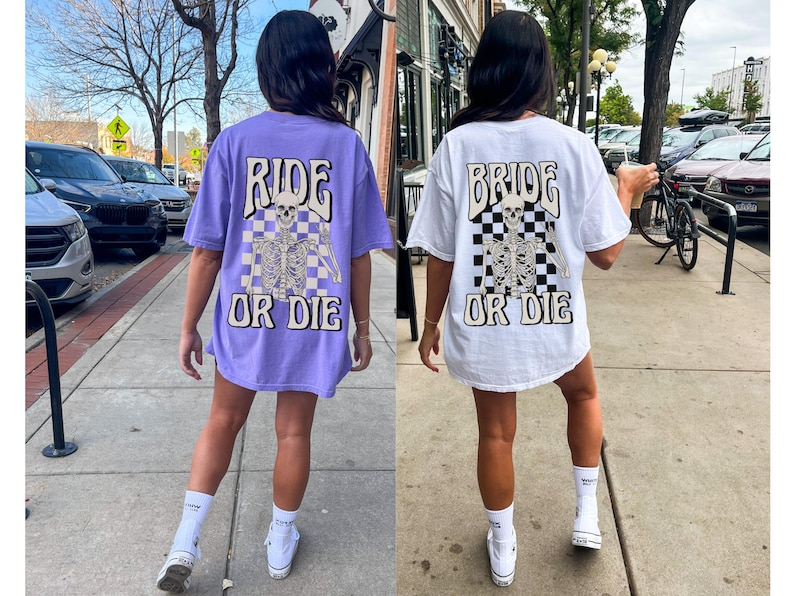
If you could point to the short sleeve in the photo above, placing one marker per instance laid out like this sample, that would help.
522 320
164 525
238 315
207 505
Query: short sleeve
370 228
207 225
433 226
604 223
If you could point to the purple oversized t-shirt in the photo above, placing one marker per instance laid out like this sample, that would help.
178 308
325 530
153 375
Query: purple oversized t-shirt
289 200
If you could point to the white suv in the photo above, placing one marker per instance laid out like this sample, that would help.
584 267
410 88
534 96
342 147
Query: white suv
58 255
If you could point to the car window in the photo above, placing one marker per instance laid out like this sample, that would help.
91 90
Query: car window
679 138
48 162
707 136
761 151
32 186
623 136
140 172
722 149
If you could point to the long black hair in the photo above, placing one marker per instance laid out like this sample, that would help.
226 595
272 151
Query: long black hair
295 66
511 71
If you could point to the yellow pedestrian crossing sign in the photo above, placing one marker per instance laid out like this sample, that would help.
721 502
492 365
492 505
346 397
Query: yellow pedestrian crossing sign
195 153
118 128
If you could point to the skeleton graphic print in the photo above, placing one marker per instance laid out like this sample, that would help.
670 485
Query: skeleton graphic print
285 261
514 260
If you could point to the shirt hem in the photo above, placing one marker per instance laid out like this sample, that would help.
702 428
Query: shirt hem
518 386
325 393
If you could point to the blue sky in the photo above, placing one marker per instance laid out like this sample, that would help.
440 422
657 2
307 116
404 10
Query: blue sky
260 12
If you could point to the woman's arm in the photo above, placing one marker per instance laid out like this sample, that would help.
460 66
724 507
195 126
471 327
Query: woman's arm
204 267
439 274
360 278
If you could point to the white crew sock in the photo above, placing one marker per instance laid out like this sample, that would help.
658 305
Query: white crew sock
283 521
586 482
501 523
193 515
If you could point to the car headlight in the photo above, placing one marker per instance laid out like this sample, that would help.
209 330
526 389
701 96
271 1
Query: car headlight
79 207
713 184
75 230
156 206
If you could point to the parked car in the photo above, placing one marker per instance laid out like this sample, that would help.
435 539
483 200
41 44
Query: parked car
695 128
755 128
602 128
58 255
176 202
745 184
185 177
116 213
695 169
624 135
613 157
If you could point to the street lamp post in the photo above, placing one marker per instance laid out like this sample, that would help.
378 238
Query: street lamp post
683 76
730 93
594 68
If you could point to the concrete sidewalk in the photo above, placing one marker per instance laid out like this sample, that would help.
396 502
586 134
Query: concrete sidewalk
102 518
684 496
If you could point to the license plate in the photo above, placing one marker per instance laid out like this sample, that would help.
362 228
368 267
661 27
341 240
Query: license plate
747 206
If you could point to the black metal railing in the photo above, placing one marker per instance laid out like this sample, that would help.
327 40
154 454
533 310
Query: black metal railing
729 242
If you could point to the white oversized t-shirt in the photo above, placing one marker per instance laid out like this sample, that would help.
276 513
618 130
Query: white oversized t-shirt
516 205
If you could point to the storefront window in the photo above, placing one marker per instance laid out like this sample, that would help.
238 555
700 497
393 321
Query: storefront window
409 101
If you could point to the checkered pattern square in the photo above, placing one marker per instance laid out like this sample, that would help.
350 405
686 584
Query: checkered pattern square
306 226
534 225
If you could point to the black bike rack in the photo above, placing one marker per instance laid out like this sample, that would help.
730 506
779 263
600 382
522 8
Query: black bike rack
728 242
59 447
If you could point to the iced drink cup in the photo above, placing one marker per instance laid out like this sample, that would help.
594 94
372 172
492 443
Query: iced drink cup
636 200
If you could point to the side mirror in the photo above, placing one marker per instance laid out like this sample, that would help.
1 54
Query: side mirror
48 183
743 154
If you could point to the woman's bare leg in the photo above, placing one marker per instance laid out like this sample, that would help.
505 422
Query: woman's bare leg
213 451
585 425
496 419
294 419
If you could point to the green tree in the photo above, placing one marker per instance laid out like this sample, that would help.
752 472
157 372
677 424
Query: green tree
672 112
713 100
753 101
663 19
617 107
562 21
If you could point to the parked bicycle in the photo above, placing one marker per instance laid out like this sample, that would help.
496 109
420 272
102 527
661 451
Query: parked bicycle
665 220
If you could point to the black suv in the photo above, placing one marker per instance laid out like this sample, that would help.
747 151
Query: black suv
695 129
116 214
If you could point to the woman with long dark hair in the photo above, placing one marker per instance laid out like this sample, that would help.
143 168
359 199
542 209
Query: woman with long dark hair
286 215
513 204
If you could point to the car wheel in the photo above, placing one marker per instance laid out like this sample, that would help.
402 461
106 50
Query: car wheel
146 250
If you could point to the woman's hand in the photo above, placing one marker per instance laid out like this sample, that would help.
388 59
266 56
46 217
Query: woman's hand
430 338
362 353
190 343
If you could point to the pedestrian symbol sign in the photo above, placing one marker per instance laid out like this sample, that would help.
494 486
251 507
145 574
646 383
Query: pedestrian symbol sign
118 128
195 153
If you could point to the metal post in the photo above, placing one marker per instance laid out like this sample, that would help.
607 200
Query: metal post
59 447
598 104
583 62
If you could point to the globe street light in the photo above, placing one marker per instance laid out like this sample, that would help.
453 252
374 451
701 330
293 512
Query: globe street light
594 68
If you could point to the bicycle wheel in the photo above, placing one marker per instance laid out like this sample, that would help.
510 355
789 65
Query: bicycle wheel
651 221
686 245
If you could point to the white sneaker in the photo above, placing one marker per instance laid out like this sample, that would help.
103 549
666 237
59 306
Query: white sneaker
175 575
502 554
585 525
280 552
